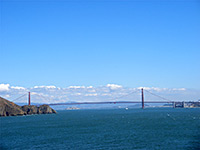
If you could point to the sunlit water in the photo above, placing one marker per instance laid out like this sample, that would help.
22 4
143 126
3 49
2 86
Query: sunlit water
149 129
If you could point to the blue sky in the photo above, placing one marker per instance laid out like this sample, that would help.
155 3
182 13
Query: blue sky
130 43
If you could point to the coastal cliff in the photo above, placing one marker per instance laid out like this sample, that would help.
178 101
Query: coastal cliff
32 109
8 108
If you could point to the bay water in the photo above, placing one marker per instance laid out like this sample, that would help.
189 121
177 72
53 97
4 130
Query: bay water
104 129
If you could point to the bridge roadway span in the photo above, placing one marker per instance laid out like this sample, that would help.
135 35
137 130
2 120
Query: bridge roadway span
80 103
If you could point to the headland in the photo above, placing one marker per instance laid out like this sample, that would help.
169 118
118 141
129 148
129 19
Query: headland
8 108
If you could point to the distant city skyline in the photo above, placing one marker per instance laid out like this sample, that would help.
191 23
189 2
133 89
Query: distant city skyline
94 43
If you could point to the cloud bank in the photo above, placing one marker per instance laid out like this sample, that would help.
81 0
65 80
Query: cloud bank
109 92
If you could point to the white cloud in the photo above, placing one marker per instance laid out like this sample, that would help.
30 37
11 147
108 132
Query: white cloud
161 89
178 89
113 86
34 93
95 94
52 94
153 88
47 87
17 88
92 90
90 87
4 87
77 94
150 88
145 88
76 87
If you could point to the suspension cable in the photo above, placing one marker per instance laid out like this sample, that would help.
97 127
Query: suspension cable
41 96
124 95
19 97
157 95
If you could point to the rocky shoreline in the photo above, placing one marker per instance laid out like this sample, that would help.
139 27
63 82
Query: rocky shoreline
8 108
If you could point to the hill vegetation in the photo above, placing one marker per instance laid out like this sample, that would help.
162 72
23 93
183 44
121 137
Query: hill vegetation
8 108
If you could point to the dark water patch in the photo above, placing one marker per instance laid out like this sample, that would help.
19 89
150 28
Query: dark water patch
104 129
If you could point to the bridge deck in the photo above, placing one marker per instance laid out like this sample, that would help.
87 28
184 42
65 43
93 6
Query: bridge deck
125 102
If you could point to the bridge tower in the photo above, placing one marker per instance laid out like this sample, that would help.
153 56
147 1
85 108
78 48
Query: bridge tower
29 98
142 93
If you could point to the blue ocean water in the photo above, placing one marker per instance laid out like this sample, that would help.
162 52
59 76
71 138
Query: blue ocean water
148 129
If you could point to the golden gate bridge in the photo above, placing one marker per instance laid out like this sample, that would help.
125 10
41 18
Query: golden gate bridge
142 101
